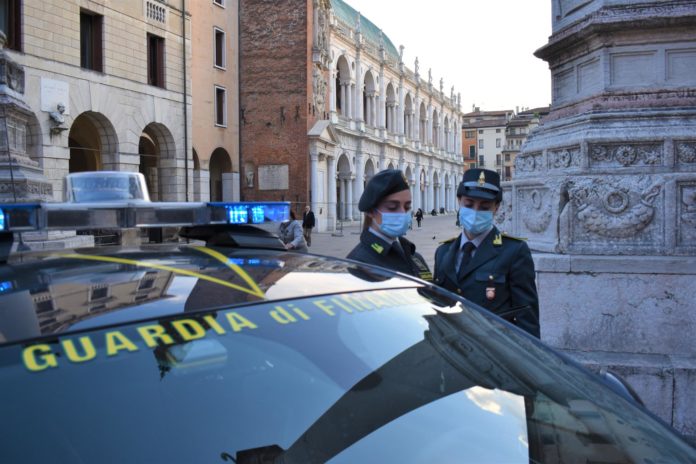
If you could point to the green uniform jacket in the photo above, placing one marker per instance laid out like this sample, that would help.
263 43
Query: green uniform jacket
374 250
499 277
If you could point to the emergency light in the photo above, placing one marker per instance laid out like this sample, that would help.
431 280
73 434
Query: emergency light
124 214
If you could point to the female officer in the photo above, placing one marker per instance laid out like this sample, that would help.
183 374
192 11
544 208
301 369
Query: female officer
386 203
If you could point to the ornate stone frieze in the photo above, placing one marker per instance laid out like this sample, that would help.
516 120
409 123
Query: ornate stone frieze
613 210
685 152
564 158
687 214
24 189
528 162
625 154
535 210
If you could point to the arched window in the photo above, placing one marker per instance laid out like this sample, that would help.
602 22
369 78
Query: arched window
369 100
390 110
408 116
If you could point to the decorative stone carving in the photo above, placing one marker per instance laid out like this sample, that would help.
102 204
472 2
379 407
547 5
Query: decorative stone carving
319 91
503 218
564 158
528 162
613 211
687 215
626 154
537 212
11 73
685 152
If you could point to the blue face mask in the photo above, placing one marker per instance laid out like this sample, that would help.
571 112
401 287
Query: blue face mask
475 222
395 224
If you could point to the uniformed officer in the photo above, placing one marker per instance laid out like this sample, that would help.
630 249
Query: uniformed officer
485 266
386 203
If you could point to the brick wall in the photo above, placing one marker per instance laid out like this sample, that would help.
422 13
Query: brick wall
275 83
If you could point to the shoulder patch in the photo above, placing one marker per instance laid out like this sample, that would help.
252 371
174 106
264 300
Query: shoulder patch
449 240
514 238
377 247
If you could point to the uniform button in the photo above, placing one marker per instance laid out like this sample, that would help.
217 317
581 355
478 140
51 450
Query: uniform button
459 290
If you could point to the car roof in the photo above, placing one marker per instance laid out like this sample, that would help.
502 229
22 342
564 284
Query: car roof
63 291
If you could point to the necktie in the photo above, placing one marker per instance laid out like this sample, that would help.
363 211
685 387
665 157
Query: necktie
466 258
399 249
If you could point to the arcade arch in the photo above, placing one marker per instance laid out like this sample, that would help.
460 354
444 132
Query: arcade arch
220 163
92 143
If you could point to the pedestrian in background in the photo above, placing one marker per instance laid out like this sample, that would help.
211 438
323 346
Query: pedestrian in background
308 224
386 203
487 267
290 233
419 216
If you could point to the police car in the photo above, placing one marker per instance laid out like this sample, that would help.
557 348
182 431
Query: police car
232 349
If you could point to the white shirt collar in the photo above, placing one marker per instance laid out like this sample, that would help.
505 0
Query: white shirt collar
386 238
476 240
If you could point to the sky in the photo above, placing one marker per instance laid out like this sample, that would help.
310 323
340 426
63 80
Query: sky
485 48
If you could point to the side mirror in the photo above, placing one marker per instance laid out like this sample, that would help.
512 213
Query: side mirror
619 385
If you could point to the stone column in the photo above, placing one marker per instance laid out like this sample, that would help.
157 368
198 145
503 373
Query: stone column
349 101
417 196
344 100
331 206
314 180
417 134
332 86
431 187
349 198
359 180
358 90
400 109
342 199
605 192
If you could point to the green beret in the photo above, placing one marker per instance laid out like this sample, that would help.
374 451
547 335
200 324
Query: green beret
382 184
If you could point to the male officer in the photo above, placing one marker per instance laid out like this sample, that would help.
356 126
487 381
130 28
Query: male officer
487 267
386 203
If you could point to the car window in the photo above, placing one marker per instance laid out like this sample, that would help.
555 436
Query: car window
404 375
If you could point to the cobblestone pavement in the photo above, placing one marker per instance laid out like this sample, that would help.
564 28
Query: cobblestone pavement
434 229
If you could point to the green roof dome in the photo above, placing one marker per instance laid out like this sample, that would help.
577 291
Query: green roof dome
370 32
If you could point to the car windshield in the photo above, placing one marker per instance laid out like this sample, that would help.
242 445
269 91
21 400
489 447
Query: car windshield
386 375
95 188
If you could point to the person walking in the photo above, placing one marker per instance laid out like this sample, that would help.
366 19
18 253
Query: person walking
419 216
290 233
308 223
386 203
489 268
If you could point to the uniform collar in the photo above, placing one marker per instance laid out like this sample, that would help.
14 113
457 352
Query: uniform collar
476 241
377 241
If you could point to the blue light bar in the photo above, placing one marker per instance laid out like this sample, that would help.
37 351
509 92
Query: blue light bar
254 213
18 217
237 214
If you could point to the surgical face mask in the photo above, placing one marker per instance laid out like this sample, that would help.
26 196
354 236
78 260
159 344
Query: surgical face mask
395 224
475 222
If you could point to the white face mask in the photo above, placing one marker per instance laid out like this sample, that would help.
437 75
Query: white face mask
475 222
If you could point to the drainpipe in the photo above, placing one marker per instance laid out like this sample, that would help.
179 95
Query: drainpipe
239 98
183 35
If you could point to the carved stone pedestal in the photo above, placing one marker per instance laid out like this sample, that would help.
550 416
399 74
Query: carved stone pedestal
605 191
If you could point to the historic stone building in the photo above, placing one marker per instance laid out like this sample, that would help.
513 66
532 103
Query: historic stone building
215 97
105 86
327 101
